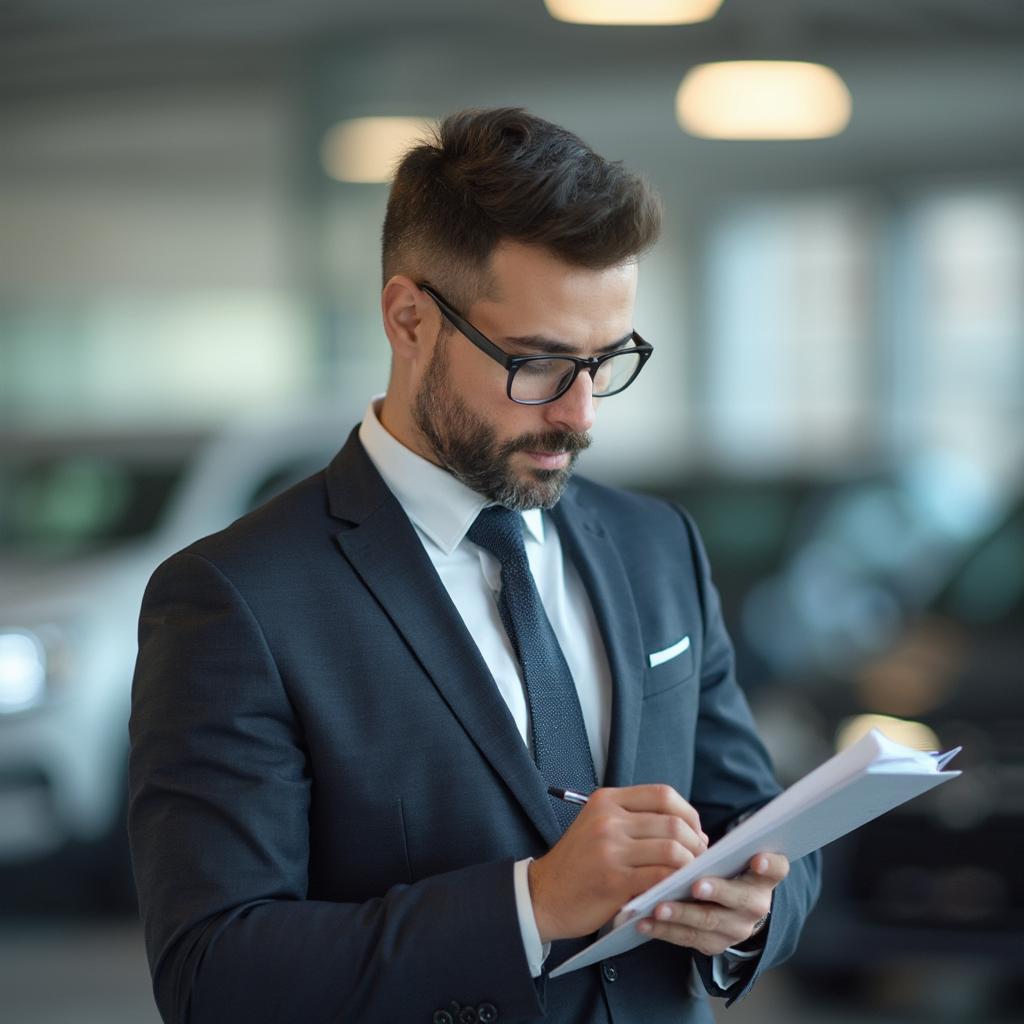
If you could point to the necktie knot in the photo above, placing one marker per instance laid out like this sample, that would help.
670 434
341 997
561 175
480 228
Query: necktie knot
499 530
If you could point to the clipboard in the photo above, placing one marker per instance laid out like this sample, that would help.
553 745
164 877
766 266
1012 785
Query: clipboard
858 784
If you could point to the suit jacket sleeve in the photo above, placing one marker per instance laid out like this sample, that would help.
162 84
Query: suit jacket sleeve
733 775
218 821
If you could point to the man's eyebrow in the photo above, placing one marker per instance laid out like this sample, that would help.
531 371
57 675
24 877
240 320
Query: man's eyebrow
543 345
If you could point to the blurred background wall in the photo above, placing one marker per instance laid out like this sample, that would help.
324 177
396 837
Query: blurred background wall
837 391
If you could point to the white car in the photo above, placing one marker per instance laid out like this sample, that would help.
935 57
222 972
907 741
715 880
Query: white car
84 521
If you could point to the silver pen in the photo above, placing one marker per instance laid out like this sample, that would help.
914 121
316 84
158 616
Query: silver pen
568 795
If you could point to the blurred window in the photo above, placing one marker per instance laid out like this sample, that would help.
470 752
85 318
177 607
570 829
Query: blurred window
151 358
789 363
839 329
958 339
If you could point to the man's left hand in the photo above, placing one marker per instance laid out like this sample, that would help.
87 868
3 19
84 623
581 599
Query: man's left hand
725 911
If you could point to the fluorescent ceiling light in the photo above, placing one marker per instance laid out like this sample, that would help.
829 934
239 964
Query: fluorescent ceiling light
763 99
366 149
632 12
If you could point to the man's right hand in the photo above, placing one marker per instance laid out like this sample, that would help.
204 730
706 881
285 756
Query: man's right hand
622 842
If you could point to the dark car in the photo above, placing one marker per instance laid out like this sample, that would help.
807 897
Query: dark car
941 875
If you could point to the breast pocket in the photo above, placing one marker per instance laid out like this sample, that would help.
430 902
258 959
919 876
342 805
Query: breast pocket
669 666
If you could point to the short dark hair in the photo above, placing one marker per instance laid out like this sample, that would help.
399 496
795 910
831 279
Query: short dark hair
503 174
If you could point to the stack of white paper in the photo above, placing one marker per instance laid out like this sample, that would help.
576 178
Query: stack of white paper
867 779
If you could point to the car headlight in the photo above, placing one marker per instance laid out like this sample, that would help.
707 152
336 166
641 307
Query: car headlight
22 670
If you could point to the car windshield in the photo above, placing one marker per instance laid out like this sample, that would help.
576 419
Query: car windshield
78 500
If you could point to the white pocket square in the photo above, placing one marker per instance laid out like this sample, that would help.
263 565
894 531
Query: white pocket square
660 657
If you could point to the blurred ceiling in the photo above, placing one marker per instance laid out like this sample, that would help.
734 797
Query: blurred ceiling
937 84
59 46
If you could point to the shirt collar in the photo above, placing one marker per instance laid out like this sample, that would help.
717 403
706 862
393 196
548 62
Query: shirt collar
441 506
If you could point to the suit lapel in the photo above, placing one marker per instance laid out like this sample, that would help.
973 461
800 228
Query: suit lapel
409 590
599 564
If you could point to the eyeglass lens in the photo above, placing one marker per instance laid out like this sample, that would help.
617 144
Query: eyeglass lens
539 379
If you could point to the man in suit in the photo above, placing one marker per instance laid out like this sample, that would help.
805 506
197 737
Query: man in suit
349 706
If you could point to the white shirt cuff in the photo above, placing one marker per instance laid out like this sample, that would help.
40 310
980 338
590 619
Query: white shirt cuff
725 968
536 951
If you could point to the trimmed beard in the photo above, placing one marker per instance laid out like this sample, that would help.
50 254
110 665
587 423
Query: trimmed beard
467 446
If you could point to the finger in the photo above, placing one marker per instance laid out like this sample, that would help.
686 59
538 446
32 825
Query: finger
645 825
641 879
766 871
656 798
745 894
706 919
773 867
709 918
650 852
710 943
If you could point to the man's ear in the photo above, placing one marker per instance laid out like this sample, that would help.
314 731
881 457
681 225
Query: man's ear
411 320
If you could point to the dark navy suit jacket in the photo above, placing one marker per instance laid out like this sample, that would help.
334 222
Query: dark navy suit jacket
328 792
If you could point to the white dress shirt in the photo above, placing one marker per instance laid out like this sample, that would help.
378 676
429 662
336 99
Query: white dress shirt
442 509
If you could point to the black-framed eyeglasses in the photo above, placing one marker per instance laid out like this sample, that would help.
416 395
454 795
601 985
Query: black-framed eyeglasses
536 380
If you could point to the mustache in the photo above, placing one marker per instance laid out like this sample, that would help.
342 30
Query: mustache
562 441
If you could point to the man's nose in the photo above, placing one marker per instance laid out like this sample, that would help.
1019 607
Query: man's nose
576 409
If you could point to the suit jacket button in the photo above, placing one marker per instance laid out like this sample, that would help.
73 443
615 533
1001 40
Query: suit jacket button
609 970
486 1013
442 1017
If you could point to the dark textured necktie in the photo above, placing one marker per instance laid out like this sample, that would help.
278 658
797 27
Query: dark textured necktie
559 735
